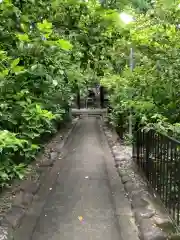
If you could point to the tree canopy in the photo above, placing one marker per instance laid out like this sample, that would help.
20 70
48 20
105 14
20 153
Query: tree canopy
49 49
151 91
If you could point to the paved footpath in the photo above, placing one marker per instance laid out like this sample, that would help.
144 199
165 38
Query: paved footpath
85 187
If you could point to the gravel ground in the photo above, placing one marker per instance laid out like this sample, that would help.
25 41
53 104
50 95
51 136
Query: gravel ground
128 165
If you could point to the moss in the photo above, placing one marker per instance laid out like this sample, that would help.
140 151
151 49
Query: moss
167 227
174 237
170 229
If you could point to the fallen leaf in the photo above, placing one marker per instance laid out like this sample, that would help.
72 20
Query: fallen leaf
80 218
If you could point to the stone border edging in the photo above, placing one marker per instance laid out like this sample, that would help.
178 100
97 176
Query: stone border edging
150 221
29 193
122 207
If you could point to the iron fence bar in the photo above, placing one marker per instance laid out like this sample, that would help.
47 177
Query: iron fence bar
170 182
167 174
147 163
178 199
174 186
137 147
154 160
159 157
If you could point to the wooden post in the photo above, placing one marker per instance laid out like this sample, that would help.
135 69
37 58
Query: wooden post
102 96
78 99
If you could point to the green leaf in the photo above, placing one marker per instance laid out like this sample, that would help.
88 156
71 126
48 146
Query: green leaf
18 69
4 176
64 44
15 62
23 37
45 27
4 73
20 175
55 83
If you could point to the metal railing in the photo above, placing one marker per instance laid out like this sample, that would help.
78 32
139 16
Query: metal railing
158 156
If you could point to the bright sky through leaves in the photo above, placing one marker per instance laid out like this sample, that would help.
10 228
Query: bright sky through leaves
126 18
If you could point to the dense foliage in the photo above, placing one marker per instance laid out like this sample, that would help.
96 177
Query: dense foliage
48 50
151 91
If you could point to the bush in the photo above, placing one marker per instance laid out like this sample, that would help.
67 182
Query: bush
14 151
34 90
48 51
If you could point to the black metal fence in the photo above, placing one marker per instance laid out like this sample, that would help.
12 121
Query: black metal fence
158 156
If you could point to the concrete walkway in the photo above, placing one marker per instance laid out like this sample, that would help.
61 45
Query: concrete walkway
87 186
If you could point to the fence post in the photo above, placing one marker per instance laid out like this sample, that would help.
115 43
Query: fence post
78 99
136 142
102 96
147 145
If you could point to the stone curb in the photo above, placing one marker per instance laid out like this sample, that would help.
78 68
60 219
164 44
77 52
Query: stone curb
149 221
29 192
123 211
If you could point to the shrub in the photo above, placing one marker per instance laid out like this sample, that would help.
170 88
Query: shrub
14 151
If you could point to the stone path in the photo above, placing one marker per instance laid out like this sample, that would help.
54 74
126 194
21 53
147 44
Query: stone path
89 187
